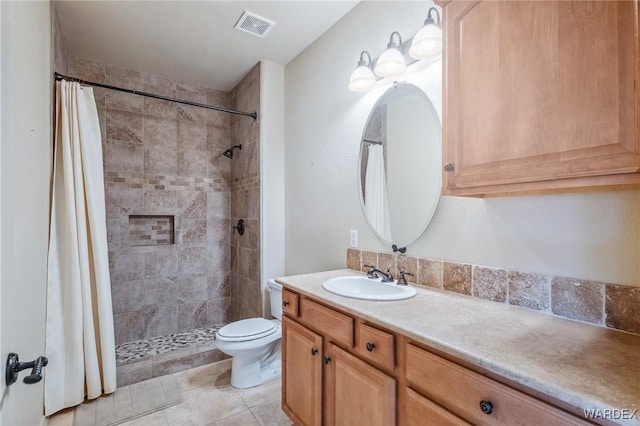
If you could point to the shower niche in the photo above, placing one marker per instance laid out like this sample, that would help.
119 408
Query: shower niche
151 230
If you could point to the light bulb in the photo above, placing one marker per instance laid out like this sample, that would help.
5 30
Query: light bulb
362 79
427 42
390 63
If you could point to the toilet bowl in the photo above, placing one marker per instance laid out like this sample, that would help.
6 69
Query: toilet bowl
254 344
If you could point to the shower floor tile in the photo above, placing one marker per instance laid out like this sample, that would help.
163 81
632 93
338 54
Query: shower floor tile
139 350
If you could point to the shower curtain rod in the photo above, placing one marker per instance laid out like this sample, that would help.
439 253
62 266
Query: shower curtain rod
59 76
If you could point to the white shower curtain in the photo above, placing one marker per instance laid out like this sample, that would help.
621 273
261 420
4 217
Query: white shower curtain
80 341
376 204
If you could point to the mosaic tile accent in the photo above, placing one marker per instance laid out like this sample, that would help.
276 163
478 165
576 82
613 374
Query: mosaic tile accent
141 349
151 230
181 183
611 305
247 182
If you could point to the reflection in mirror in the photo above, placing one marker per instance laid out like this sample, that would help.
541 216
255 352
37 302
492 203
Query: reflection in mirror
400 158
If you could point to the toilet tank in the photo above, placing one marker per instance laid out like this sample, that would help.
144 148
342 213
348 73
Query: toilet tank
275 295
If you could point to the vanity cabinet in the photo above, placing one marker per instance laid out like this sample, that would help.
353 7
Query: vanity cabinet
540 96
339 369
449 388
302 379
325 380
358 393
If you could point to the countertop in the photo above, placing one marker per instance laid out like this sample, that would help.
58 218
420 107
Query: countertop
583 365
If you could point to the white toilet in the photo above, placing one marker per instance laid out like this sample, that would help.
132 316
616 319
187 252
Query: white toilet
254 344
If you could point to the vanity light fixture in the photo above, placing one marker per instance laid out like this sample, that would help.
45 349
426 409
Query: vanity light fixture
391 62
428 40
362 78
426 44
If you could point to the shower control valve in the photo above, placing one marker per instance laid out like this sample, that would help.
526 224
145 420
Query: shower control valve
239 227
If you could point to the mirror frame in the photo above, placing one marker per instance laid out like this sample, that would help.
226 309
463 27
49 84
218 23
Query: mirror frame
434 206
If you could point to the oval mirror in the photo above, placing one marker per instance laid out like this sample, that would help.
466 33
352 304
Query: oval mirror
400 157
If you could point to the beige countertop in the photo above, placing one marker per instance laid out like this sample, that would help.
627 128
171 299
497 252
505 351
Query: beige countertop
585 366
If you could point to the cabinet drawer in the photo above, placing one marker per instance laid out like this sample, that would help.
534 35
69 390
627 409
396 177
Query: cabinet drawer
376 346
422 412
334 325
462 391
289 303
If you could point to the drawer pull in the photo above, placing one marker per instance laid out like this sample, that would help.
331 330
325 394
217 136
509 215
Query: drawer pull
486 407
314 351
285 303
371 346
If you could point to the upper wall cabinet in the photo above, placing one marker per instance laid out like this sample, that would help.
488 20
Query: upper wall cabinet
540 96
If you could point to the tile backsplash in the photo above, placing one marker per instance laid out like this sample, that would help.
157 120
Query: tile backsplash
610 305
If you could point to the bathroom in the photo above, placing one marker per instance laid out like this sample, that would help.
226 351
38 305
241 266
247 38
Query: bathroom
294 182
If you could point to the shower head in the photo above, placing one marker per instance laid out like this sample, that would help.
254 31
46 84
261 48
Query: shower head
229 153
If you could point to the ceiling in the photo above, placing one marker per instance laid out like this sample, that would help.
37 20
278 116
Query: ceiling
192 41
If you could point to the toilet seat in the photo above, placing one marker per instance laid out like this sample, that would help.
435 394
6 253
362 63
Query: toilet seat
247 329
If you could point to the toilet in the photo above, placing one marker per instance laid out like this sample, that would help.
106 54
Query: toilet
254 344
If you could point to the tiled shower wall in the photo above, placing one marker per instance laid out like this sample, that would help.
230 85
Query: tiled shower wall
165 159
245 200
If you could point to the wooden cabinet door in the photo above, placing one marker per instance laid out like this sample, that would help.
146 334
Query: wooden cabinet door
357 393
540 95
302 373
422 412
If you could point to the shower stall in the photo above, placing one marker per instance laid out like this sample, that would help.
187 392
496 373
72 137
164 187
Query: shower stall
174 190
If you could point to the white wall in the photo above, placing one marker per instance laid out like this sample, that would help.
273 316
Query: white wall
589 236
24 196
271 173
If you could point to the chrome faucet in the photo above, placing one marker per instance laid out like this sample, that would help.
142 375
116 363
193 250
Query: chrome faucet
374 273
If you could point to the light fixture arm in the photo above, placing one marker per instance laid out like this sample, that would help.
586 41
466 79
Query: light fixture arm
361 62
430 19
391 43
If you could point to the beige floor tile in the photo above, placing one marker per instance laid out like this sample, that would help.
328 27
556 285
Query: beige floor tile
159 418
217 375
244 418
270 414
62 418
260 394
203 406
209 399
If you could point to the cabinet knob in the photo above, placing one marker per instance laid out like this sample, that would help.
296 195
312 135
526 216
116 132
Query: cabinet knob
371 346
448 167
486 407
285 303
314 351
326 359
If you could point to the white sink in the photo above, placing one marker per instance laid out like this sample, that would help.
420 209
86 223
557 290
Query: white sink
358 287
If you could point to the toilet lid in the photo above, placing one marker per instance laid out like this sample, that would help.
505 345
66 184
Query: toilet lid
247 329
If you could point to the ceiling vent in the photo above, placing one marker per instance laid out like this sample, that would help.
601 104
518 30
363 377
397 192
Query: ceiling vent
254 24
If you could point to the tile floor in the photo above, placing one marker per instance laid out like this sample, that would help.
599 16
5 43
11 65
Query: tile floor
210 400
